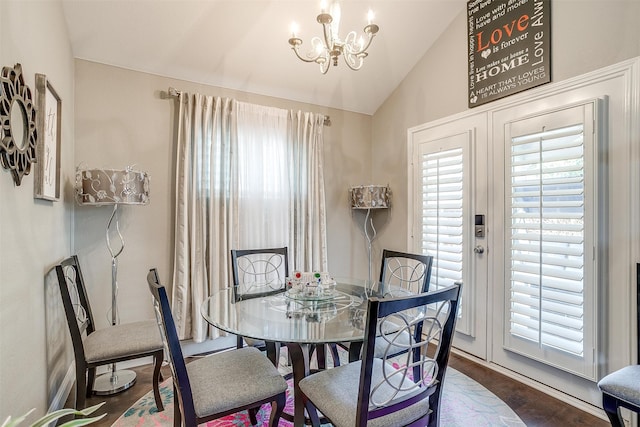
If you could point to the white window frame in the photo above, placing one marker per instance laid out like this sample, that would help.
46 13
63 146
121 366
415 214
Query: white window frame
586 364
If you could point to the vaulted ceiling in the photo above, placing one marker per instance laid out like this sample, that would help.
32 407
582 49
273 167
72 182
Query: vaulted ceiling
243 44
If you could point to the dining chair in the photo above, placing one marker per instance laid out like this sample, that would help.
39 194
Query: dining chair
258 273
116 343
400 391
411 272
621 388
219 384
405 272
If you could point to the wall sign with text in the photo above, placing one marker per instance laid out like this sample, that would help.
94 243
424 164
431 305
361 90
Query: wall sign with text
509 47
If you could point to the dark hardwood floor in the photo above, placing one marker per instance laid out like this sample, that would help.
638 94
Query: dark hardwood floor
535 408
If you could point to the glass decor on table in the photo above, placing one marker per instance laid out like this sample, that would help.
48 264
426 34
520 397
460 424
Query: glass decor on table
311 286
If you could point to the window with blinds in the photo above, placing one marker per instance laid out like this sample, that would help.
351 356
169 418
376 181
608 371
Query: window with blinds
547 238
550 238
442 214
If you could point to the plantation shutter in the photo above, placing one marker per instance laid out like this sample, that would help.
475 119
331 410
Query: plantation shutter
442 187
550 236
442 215
547 238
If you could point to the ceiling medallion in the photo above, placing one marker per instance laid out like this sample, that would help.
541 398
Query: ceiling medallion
18 136
326 51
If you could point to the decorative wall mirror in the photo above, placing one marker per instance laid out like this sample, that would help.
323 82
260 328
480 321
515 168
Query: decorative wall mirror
18 136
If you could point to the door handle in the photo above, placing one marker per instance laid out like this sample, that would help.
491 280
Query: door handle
479 249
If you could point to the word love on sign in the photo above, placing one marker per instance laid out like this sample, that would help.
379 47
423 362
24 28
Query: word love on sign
509 47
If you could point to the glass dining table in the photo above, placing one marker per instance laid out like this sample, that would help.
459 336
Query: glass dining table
299 322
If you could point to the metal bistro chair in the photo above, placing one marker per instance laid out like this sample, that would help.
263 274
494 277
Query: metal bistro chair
219 384
258 273
104 346
372 392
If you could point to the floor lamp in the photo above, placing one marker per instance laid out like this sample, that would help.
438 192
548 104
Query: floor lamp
112 187
370 197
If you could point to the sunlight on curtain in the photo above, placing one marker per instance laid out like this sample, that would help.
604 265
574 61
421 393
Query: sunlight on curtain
262 185
247 176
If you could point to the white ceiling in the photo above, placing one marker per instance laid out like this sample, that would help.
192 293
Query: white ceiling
243 44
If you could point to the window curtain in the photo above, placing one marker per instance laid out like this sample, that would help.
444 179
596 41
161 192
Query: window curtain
247 176
308 244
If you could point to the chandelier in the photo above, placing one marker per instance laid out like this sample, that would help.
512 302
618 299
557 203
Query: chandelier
325 51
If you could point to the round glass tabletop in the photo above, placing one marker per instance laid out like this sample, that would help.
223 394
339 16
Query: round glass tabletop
336 317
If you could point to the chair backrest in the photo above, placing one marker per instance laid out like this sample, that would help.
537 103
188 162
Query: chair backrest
407 270
75 302
169 334
259 272
419 372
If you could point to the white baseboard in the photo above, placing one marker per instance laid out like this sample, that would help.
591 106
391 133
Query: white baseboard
577 403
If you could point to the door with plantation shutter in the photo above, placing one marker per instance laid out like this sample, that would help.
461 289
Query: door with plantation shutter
549 240
448 185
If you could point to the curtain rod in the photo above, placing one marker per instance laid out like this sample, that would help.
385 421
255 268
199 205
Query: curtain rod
175 92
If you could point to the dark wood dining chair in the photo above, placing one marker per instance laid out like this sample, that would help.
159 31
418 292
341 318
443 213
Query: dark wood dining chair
258 273
220 384
372 392
401 273
621 388
93 348
405 272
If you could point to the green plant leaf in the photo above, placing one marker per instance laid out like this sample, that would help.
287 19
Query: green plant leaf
12 423
82 421
48 418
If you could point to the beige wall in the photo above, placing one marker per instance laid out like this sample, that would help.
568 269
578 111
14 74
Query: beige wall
34 234
123 118
585 36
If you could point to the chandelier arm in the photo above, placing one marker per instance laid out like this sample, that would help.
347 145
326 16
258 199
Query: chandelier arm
354 67
295 45
350 43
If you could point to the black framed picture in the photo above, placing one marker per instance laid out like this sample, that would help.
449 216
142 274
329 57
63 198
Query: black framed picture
508 47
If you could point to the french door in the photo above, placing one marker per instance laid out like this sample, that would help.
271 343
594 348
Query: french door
448 183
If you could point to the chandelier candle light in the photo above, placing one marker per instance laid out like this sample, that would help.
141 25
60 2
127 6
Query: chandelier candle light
102 187
327 50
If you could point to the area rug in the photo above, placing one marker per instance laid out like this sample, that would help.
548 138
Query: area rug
464 403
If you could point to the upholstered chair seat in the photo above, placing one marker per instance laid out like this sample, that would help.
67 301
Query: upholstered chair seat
133 338
621 389
335 394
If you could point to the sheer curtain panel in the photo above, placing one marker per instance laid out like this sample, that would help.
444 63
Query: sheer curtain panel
247 176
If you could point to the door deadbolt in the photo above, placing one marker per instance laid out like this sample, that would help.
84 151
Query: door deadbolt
478 249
